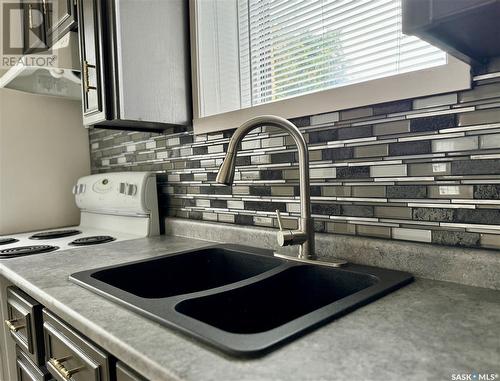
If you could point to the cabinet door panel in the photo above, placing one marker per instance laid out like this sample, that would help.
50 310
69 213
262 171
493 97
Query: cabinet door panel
24 323
91 32
70 355
34 31
62 18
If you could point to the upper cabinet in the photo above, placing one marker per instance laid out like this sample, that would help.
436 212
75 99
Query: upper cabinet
91 33
45 22
135 63
466 29
63 18
34 23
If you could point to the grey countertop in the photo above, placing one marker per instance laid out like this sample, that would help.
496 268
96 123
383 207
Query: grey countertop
428 330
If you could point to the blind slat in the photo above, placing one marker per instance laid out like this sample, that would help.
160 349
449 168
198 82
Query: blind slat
292 47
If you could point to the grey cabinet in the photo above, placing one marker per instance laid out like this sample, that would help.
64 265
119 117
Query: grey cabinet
45 21
70 355
24 323
124 373
135 63
61 18
27 371
467 29
94 80
39 346
34 26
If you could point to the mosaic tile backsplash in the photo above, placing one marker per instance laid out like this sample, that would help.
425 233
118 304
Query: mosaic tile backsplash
424 170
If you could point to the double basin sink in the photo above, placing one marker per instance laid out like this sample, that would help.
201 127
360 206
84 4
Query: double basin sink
243 301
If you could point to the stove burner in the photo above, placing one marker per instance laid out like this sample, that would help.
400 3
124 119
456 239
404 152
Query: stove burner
55 234
94 240
6 241
26 250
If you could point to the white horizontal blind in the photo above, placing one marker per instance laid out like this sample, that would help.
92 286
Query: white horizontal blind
295 47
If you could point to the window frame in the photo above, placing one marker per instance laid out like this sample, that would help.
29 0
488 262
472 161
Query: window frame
455 75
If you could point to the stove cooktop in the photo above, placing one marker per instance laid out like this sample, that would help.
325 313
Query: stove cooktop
26 250
68 238
94 240
55 234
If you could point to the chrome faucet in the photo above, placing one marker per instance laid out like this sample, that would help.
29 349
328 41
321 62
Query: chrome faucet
304 236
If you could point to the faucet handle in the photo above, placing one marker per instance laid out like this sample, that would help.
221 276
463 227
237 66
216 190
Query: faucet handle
285 237
278 217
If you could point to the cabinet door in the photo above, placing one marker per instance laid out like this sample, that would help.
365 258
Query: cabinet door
27 371
90 28
124 373
71 356
24 322
61 18
34 26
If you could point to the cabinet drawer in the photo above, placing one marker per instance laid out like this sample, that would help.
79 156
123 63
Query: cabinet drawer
69 356
27 370
24 322
124 373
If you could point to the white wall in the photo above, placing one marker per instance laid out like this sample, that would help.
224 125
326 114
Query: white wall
43 151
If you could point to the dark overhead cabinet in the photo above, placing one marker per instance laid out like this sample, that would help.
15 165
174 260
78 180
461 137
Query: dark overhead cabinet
62 18
135 63
45 22
467 29
34 26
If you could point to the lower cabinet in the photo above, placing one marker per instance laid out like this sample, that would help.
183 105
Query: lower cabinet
69 356
46 348
123 373
26 370
24 323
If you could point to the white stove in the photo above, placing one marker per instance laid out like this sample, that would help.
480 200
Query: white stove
113 207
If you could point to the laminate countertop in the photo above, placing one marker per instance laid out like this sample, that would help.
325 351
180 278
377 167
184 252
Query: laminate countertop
428 330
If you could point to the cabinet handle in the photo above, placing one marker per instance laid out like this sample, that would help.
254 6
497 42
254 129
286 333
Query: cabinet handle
61 369
86 81
30 16
12 327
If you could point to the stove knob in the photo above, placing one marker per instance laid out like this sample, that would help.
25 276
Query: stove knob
75 189
122 188
81 188
131 189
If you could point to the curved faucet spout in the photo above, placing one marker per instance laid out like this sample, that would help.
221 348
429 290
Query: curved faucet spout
305 235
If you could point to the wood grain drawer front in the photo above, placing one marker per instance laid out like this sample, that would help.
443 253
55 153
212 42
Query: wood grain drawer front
27 370
69 356
124 373
24 322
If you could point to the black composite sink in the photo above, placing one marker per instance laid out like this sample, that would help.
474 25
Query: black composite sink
241 300
183 274
274 301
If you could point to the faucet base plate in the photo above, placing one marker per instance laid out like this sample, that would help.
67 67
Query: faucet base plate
332 262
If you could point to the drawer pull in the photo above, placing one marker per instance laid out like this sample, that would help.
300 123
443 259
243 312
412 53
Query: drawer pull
12 327
65 373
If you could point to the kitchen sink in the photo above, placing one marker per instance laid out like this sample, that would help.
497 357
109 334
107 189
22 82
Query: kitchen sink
183 274
243 301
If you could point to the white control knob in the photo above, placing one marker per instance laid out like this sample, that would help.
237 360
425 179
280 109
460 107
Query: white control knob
81 188
75 189
122 188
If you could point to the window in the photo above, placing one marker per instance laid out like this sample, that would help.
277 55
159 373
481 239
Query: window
294 47
251 53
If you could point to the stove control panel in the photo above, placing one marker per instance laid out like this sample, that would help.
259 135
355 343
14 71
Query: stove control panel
128 189
119 192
